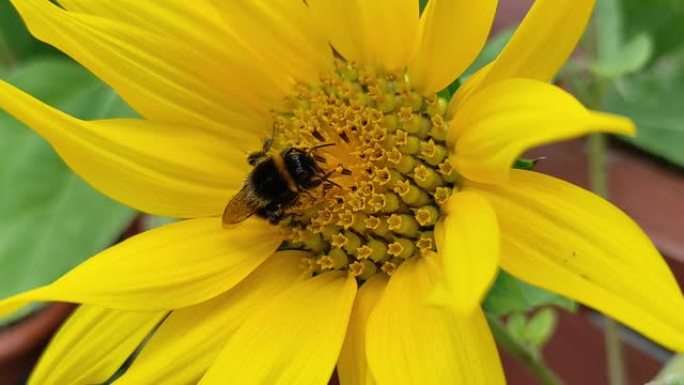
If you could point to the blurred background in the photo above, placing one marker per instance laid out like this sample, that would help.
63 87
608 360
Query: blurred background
630 61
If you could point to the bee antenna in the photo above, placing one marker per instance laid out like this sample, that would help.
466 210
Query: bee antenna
267 145
325 176
309 194
331 182
269 141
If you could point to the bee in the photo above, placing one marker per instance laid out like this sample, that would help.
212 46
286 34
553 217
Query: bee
276 182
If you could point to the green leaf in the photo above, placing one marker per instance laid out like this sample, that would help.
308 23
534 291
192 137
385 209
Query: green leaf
16 43
516 325
672 373
50 220
511 295
490 51
527 355
661 19
451 89
653 99
631 58
534 332
616 56
540 327
608 24
422 4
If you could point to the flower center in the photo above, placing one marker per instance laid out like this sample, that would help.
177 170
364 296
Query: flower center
391 171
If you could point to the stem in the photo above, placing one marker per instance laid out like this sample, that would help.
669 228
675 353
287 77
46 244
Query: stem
616 362
599 184
598 176
528 357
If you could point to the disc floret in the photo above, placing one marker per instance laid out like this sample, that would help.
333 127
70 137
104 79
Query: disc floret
392 176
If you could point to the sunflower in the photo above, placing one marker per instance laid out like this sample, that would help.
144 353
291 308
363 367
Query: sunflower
382 271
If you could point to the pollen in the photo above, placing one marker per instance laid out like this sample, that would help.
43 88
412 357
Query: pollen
309 265
338 240
427 215
425 242
442 195
387 171
389 268
362 269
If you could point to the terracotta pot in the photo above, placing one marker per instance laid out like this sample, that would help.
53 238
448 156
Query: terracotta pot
21 343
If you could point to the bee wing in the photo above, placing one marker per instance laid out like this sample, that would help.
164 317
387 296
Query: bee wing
241 207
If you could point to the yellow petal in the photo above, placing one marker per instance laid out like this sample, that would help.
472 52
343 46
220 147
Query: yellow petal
92 345
157 168
538 49
469 252
494 127
342 25
281 33
452 33
352 366
174 62
177 265
567 240
409 342
381 32
470 85
278 36
294 338
189 340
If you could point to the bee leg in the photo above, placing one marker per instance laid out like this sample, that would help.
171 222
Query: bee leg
273 212
308 193
275 215
324 178
326 188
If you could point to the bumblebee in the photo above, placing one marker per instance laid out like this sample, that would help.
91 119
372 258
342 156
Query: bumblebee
275 183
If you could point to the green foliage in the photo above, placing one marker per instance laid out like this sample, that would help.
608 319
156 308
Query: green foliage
451 89
524 164
524 340
422 4
540 327
617 56
534 332
520 336
637 70
629 58
511 295
50 220
672 373
662 19
16 44
490 51
515 326
653 99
